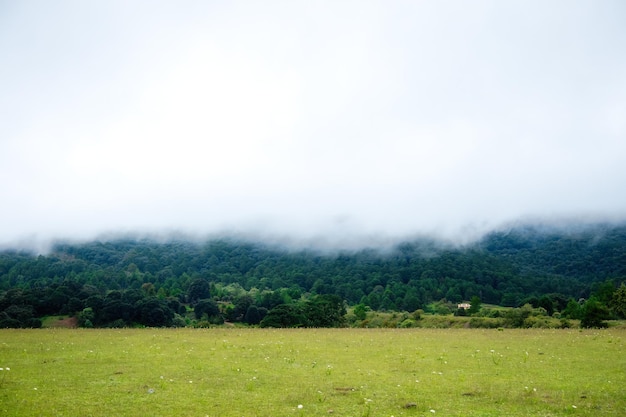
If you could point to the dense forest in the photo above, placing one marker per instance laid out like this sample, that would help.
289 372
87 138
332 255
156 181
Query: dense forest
162 283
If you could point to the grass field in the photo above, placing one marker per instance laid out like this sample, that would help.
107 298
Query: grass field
342 372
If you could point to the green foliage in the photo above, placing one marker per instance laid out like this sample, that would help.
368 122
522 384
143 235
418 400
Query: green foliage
254 314
284 315
360 311
198 290
517 317
573 310
324 311
206 307
594 313
119 280
442 307
86 317
475 305
417 314
320 311
618 301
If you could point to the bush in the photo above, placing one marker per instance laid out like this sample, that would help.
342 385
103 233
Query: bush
516 316
407 323
485 323
593 314
284 315
179 321
417 314
360 311
117 324
87 315
537 322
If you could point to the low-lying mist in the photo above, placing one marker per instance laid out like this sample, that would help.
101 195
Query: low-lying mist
329 243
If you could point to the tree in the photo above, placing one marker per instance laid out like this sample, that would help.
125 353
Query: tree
475 305
148 289
325 310
115 310
253 315
154 312
573 310
7 322
603 291
546 303
86 317
73 305
241 305
360 311
284 315
516 317
198 290
594 313
208 307
618 302
411 302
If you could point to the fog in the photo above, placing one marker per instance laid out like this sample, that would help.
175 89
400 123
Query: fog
337 124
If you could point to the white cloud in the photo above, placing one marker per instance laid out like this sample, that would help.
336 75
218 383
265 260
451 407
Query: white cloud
308 118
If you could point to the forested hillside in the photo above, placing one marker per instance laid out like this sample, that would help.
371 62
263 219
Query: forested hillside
152 283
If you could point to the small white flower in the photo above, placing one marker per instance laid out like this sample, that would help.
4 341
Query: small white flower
300 406
574 406
432 411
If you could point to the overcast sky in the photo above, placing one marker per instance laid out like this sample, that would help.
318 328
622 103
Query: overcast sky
308 118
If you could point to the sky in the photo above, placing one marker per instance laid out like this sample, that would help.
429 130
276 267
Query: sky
335 120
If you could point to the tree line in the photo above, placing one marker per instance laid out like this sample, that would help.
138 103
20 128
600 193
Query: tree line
141 281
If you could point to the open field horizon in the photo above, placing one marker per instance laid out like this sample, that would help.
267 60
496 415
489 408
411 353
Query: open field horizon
312 372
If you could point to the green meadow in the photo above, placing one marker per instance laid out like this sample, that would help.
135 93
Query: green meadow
312 372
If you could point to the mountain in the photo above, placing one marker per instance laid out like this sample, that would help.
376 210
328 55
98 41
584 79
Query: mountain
505 267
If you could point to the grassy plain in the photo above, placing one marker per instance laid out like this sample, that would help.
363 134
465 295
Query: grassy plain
312 372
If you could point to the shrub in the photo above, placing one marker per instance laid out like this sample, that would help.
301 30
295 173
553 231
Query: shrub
179 321
417 314
594 313
360 311
407 323
117 324
87 315
485 323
